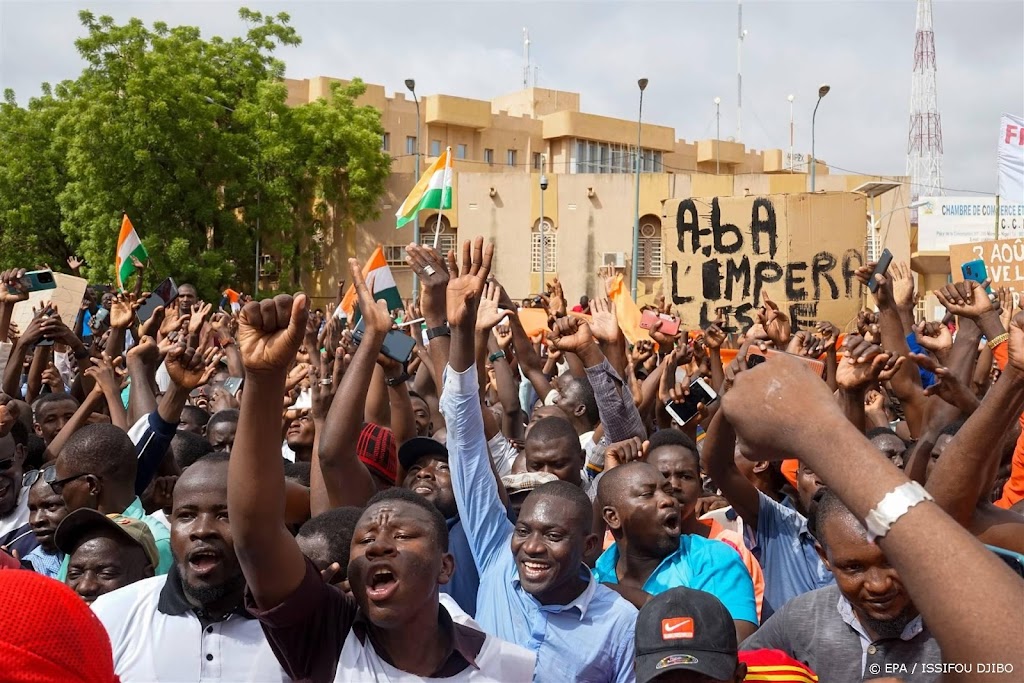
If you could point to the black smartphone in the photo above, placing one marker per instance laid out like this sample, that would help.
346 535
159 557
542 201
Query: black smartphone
880 269
700 392
397 345
163 295
46 314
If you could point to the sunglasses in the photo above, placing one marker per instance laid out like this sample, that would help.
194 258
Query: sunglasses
50 477
32 476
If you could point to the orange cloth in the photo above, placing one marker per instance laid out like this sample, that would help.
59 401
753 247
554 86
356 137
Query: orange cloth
626 310
231 295
1013 491
735 541
789 470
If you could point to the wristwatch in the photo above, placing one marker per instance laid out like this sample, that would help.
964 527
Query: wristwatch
404 377
439 331
496 355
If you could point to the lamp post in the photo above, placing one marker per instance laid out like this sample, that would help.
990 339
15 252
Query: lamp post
543 236
791 132
256 272
822 91
642 83
718 132
411 85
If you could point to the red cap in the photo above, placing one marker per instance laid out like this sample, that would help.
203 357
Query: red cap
775 666
49 635
376 448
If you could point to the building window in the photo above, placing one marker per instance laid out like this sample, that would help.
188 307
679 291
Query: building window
536 162
395 255
550 241
588 156
460 152
510 159
435 148
649 256
489 157
410 144
385 142
447 240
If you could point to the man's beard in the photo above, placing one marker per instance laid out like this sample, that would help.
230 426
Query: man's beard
208 595
890 628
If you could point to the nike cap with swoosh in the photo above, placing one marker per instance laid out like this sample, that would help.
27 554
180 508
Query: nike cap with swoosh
685 629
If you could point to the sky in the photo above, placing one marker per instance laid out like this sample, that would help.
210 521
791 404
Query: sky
687 49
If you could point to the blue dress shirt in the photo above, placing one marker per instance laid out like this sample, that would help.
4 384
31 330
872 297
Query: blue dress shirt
588 640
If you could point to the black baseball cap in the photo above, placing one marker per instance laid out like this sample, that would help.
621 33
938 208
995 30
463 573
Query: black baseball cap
414 449
688 630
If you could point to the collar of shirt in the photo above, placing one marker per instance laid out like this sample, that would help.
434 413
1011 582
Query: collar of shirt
582 601
466 643
910 631
173 602
18 516
676 563
135 510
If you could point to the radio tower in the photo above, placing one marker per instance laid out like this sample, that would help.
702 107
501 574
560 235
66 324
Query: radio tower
924 144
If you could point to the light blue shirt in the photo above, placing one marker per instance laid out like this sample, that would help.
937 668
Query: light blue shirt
590 639
785 549
47 564
701 564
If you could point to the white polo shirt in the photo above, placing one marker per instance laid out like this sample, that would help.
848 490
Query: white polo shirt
156 636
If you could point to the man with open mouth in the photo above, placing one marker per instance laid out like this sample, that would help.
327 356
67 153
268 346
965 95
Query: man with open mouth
191 624
652 555
399 554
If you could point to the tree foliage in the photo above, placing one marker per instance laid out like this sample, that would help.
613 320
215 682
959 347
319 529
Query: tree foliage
194 140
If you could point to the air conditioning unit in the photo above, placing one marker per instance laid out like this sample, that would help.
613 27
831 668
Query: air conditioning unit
615 259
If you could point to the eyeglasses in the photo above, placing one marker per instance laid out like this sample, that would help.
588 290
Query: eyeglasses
50 477
32 476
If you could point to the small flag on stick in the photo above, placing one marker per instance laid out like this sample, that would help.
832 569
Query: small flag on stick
128 245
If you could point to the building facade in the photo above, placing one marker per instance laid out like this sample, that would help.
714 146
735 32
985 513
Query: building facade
502 146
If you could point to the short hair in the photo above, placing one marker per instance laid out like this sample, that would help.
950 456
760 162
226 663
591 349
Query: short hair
214 458
416 394
298 471
35 451
826 505
879 431
228 415
580 390
584 300
552 429
198 414
47 399
336 527
187 448
102 450
672 437
952 428
570 493
405 495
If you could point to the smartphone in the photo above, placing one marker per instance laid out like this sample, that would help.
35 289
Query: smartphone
976 271
880 269
397 345
669 324
39 280
756 356
233 385
163 295
700 392
46 314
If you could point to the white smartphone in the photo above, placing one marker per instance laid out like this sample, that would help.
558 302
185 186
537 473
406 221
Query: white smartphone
700 392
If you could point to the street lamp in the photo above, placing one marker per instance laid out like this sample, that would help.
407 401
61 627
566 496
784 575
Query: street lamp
791 131
822 91
411 85
543 237
642 83
718 132
256 272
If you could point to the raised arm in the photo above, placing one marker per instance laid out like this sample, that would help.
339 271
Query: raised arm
719 453
961 473
345 477
433 271
863 364
476 491
780 410
269 335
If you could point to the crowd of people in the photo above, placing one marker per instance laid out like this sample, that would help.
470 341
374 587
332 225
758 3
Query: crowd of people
263 492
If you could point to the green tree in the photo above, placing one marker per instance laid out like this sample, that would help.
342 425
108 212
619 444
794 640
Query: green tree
193 139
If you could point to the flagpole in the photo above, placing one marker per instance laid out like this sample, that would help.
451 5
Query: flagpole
445 180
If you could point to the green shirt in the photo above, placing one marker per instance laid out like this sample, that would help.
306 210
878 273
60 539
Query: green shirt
161 534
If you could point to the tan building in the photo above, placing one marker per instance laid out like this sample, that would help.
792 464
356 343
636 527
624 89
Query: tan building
502 146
